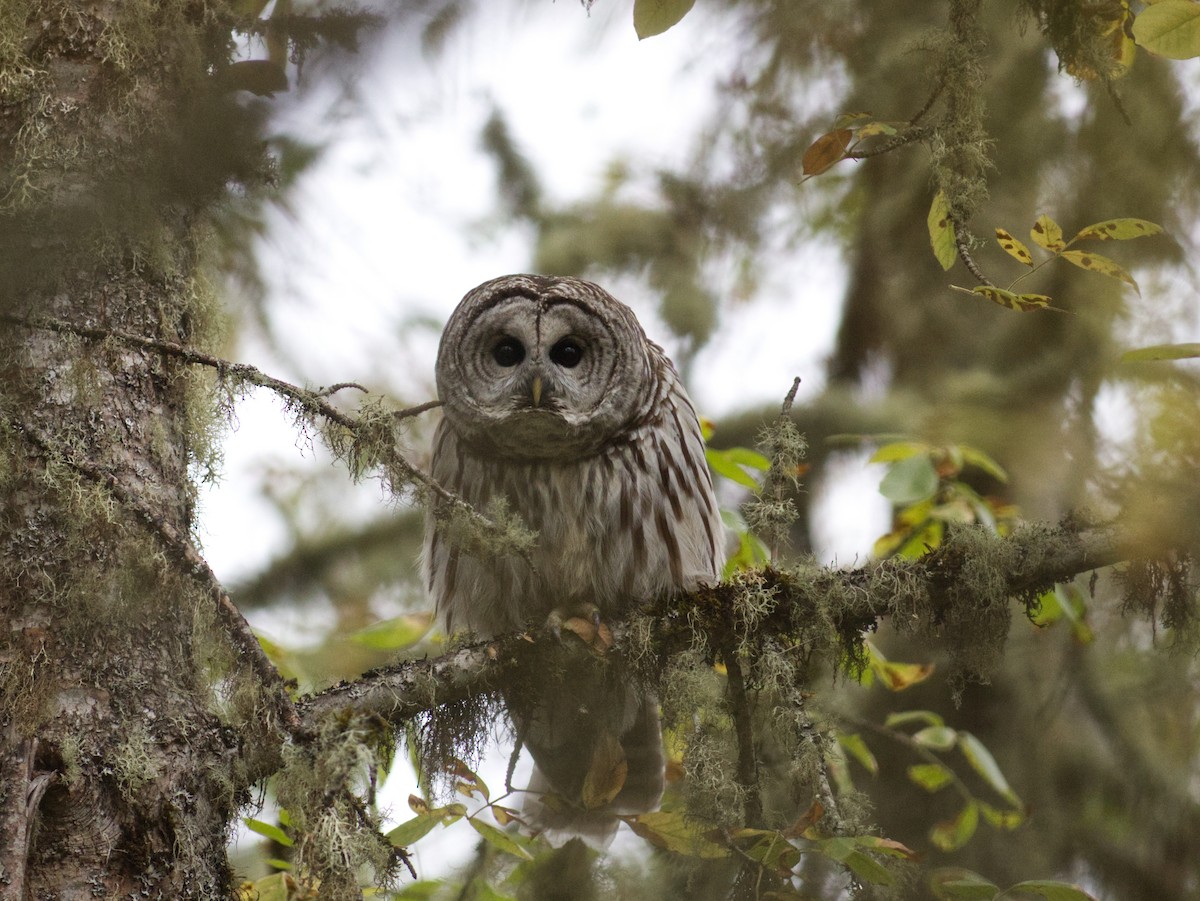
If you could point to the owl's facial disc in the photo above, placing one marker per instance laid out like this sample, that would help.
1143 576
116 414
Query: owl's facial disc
538 368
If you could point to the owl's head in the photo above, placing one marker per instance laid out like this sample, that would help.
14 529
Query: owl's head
537 367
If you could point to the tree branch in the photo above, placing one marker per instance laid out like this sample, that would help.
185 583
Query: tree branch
1033 560
314 403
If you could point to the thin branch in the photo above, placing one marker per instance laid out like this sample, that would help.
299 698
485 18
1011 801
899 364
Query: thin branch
184 552
409 412
964 254
908 136
747 765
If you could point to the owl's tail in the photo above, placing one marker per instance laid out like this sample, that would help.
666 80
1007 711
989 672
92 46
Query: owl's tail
593 766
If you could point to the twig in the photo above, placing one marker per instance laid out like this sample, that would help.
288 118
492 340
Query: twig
339 386
409 412
908 136
747 765
181 548
964 254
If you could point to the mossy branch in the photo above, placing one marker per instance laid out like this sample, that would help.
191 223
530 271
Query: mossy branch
366 441
820 610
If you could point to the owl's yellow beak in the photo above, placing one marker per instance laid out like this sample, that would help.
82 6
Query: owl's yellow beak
535 390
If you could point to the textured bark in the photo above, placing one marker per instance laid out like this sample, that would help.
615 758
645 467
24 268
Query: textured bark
119 779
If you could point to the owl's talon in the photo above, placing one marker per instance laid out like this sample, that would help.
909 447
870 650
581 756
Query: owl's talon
582 619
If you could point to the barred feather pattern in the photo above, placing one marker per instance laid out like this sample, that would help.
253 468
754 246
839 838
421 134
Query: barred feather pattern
615 484
625 525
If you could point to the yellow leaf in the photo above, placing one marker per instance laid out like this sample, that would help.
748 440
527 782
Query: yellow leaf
500 840
1022 303
674 832
1094 262
1162 352
941 231
1118 230
606 775
1170 28
1111 21
651 17
871 129
825 151
1013 247
1046 233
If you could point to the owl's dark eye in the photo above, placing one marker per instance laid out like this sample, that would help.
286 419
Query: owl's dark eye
508 352
566 353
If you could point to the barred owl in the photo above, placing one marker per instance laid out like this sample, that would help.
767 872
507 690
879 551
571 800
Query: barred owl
556 402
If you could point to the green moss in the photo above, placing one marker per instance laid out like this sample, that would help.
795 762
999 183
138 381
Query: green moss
322 786
134 763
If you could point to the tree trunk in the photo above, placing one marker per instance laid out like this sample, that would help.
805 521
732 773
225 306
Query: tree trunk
118 769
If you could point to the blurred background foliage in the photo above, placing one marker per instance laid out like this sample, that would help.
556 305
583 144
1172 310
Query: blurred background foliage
1030 108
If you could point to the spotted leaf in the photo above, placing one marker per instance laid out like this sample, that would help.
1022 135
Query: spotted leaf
1094 262
1047 233
1013 247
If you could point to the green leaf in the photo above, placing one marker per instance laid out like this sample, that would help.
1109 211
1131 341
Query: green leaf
941 231
899 450
867 868
909 480
395 633
412 831
276 887
854 745
960 883
1052 891
980 460
845 850
268 830
500 840
1118 230
905 717
768 847
721 463
743 456
482 890
1170 28
1047 234
985 765
1014 248
1162 352
651 17
950 835
421 890
936 738
930 776
674 832
1001 819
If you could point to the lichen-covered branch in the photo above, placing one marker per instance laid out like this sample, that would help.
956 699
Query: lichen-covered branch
365 441
823 611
